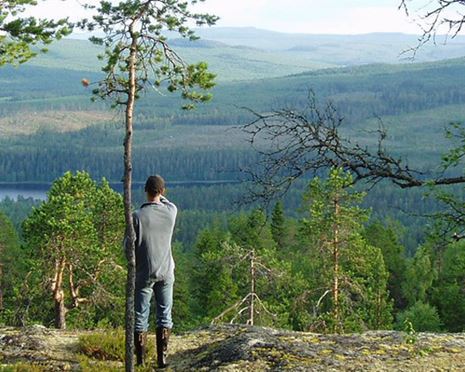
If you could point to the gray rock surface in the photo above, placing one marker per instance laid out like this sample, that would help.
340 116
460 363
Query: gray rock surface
244 348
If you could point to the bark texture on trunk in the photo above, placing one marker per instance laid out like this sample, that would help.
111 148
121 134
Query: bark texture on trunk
1 287
336 312
59 294
252 287
60 311
130 233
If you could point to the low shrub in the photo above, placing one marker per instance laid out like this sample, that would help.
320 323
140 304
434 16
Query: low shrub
108 345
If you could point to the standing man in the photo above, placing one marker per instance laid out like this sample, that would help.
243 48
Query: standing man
154 225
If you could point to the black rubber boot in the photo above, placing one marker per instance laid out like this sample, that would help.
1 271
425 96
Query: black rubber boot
163 335
140 343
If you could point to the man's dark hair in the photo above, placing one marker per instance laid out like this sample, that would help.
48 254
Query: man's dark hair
155 185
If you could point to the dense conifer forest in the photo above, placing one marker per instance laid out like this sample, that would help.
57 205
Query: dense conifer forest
398 261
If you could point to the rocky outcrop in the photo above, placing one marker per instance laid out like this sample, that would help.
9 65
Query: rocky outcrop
244 348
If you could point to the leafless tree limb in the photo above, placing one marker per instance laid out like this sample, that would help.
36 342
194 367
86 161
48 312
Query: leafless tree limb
435 17
318 303
293 143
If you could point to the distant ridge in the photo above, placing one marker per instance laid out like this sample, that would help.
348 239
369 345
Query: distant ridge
253 32
240 54
250 52
377 47
201 43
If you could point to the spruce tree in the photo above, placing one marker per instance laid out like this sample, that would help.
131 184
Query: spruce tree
278 230
10 262
350 279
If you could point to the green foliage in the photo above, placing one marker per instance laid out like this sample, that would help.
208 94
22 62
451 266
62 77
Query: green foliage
447 290
17 210
358 92
422 317
211 278
448 220
11 267
9 243
221 278
182 299
108 345
87 364
77 232
386 238
23 367
419 276
278 229
20 34
97 348
411 334
294 282
136 29
321 199
332 229
455 132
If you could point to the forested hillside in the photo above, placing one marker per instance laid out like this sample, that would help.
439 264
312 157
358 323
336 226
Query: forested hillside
339 49
38 102
393 270
49 124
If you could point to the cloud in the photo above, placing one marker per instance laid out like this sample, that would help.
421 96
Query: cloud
235 13
56 9
313 16
377 19
304 16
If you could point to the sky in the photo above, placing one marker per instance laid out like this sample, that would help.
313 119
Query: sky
290 16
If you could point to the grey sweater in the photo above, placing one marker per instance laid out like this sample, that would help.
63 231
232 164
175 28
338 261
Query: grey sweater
154 225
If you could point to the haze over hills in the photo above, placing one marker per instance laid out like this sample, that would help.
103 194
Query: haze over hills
228 62
339 49
41 101
48 124
46 95
318 96
249 53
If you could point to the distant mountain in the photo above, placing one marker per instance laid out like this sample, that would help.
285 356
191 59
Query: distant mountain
339 49
201 43
228 62
249 53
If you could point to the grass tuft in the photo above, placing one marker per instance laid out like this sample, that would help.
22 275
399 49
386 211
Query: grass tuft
22 367
108 345
103 346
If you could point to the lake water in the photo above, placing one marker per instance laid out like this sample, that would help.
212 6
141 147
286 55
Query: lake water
13 190
39 190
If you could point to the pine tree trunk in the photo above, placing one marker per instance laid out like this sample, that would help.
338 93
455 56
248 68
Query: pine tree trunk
130 234
336 312
60 311
59 294
1 287
252 287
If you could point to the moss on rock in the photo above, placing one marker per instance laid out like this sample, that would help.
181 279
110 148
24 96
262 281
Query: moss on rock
244 348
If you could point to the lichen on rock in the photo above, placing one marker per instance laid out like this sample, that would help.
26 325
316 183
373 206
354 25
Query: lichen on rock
245 348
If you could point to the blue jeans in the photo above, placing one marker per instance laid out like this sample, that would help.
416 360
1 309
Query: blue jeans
164 302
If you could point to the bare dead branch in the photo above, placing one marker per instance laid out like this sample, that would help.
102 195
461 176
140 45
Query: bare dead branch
293 143
435 17
318 303
229 309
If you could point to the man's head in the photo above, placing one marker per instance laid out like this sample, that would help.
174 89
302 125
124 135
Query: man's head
155 186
